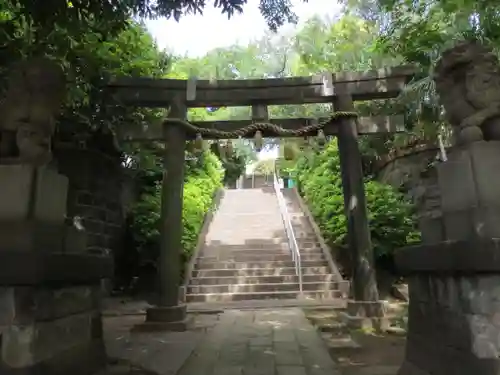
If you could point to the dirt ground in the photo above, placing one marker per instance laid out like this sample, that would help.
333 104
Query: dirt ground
360 352
385 352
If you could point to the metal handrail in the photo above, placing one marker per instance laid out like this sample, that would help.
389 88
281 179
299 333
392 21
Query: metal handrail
292 241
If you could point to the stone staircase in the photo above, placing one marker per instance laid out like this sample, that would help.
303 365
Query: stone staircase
246 255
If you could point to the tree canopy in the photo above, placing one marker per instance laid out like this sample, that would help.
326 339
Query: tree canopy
113 15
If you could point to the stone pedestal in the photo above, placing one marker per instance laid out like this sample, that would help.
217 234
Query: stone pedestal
454 310
50 318
366 315
166 318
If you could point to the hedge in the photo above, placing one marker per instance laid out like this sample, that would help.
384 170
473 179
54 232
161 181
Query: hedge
391 216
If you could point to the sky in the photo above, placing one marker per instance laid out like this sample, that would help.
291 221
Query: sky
195 35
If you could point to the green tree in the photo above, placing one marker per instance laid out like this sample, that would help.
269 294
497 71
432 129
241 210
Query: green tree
113 15
391 216
417 32
203 177
265 166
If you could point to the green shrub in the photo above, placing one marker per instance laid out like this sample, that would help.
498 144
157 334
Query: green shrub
391 216
203 178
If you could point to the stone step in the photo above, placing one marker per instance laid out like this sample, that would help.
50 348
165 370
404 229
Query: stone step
258 253
258 288
272 249
247 272
263 279
263 257
256 265
244 247
211 251
251 245
228 297
303 235
245 221
270 246
340 342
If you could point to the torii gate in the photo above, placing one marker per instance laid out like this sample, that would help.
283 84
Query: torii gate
340 89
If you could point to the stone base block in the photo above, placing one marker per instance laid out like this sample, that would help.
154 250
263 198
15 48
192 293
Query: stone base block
178 326
164 318
472 210
166 313
51 303
365 323
84 359
453 325
25 191
31 236
408 369
366 315
51 331
37 268
368 309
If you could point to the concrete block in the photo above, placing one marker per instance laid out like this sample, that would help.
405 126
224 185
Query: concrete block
485 161
460 315
28 191
26 345
470 178
24 305
15 191
482 222
51 195
456 184
75 241
432 229
7 308
25 236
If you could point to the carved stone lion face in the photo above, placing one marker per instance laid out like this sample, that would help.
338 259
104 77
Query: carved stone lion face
33 99
466 68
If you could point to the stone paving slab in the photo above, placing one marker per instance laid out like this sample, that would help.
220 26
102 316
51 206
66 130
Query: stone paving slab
157 353
261 342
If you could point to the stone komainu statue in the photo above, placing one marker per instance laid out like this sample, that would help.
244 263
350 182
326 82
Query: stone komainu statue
28 109
467 80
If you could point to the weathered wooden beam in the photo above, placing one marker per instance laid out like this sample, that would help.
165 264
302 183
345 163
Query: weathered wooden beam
364 283
150 92
366 125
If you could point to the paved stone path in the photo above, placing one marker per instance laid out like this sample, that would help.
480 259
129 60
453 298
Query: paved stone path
158 353
261 342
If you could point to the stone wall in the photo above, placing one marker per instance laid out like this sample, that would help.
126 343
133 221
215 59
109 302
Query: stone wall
50 331
50 320
411 172
404 171
96 193
459 309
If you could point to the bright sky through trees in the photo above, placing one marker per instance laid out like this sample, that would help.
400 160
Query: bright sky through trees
196 35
